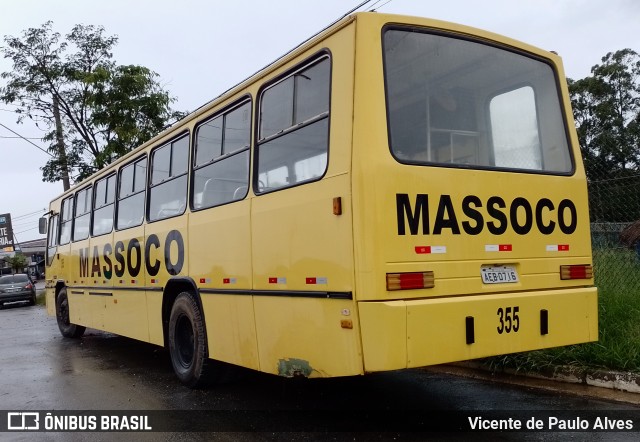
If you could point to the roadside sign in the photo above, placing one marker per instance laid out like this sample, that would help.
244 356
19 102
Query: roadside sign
6 233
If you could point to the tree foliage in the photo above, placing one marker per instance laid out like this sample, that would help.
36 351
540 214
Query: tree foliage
17 262
606 108
105 109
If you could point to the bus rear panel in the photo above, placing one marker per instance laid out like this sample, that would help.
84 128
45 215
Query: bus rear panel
470 203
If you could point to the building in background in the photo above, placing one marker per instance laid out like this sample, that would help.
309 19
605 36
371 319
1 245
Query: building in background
33 250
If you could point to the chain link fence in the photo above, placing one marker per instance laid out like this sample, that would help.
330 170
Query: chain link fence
615 232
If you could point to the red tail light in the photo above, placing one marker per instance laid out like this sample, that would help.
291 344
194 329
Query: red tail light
407 281
583 271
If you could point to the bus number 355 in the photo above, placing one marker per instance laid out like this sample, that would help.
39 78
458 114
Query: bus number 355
508 319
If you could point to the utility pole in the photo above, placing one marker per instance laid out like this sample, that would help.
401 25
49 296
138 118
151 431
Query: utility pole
62 154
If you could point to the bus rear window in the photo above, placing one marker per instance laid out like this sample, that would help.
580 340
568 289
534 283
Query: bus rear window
456 102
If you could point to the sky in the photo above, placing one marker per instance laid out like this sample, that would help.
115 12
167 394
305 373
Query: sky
201 48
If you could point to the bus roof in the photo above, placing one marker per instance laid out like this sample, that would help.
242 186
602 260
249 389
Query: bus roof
300 48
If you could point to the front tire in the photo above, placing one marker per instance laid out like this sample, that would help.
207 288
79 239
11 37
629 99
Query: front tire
187 342
67 329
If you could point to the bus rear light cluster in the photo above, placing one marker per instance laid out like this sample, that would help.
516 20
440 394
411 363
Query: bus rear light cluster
583 271
408 281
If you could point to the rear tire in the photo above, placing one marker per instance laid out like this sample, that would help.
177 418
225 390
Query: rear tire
188 343
67 329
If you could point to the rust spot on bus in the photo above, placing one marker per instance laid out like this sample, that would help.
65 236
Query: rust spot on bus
293 367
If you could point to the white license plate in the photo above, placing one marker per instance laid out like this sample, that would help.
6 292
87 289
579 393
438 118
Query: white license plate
498 274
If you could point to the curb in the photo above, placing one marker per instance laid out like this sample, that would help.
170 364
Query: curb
614 380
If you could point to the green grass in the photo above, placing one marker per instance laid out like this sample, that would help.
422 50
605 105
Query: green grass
618 348
40 298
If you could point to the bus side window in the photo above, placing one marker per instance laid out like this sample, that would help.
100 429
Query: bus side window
66 218
294 129
168 186
103 202
52 239
221 158
82 214
131 190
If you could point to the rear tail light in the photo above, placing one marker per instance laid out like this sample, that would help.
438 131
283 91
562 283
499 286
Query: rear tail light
583 271
407 281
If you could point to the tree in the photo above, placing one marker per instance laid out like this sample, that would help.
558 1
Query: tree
17 262
91 109
606 108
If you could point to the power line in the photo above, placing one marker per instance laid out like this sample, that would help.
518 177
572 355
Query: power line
28 215
374 9
28 230
26 139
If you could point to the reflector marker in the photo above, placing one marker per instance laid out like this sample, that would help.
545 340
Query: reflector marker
557 248
273 280
155 281
316 280
426 250
498 248
229 280
205 280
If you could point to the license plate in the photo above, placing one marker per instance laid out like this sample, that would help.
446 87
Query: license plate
498 274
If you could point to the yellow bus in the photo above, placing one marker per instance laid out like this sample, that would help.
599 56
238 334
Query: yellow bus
395 192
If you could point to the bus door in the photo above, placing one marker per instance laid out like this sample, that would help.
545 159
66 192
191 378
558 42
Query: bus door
166 231
125 309
301 222
220 236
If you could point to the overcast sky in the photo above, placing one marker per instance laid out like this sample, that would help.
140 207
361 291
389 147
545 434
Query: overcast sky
201 48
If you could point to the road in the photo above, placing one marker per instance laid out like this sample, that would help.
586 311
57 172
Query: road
40 370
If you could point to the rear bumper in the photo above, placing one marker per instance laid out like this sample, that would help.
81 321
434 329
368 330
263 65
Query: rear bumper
416 333
17 296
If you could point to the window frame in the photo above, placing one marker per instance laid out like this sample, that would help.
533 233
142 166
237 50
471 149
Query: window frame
113 174
149 186
62 221
52 238
116 212
317 58
245 99
89 191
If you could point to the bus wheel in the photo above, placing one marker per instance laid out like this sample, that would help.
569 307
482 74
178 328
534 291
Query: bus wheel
67 329
187 342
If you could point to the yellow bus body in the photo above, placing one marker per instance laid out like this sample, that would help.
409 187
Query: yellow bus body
295 281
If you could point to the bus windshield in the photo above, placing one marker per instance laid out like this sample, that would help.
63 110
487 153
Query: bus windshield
461 103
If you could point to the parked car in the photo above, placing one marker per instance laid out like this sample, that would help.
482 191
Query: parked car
17 288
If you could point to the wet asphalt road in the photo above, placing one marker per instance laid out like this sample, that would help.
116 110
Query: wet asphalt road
40 370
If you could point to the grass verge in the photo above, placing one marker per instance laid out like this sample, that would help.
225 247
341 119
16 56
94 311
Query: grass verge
40 297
